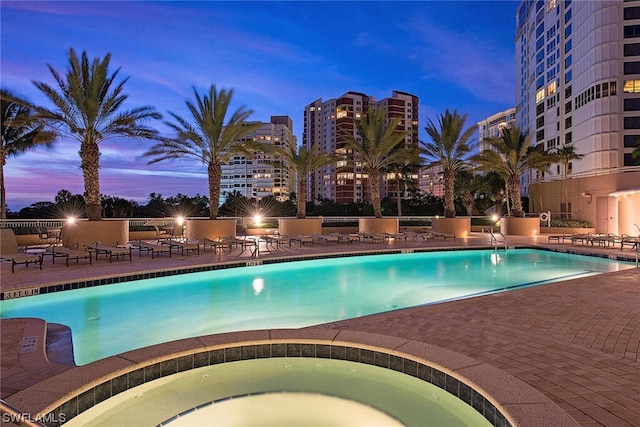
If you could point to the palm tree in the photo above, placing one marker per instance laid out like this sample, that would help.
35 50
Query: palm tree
20 133
302 162
378 145
87 108
468 184
510 158
208 138
449 148
541 161
564 156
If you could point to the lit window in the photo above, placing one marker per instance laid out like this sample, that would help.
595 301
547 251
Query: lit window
631 86
540 95
551 88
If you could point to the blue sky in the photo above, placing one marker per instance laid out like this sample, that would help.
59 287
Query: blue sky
276 56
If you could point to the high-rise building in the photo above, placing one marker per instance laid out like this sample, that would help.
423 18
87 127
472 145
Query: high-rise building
326 124
578 83
493 125
257 176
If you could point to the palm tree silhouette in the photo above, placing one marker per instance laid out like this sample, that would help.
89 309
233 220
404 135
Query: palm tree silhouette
88 109
449 148
378 145
21 132
208 138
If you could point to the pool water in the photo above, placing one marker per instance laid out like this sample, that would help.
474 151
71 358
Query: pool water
107 320
284 392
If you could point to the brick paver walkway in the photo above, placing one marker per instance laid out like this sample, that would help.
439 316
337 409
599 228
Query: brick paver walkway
577 341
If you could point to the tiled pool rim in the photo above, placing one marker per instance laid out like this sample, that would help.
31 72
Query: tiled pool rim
501 398
114 279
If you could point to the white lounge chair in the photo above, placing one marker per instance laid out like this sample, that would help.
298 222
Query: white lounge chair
9 251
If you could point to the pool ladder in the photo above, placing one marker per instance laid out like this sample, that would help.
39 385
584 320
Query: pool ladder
494 237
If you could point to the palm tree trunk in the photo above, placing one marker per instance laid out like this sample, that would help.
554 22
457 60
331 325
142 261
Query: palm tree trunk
3 194
90 163
507 197
565 168
449 205
302 197
516 203
399 200
214 172
539 178
374 190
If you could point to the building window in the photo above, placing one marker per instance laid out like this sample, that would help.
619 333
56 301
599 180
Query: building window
540 135
568 138
632 67
631 141
632 49
567 92
567 46
632 13
567 31
567 16
567 107
540 122
568 76
540 107
568 122
632 122
631 31
567 61
629 160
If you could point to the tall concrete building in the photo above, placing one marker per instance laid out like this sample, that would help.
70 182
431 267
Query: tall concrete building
493 125
578 83
255 177
325 126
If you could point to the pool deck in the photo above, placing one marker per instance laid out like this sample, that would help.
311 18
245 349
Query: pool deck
577 342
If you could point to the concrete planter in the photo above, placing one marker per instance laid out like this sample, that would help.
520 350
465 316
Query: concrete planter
378 225
520 226
459 227
142 235
86 232
260 231
210 228
300 226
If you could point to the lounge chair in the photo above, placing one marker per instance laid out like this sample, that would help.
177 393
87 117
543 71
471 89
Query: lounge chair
372 237
302 240
217 244
326 238
154 249
627 240
559 237
395 236
443 236
580 237
68 253
182 246
110 251
9 251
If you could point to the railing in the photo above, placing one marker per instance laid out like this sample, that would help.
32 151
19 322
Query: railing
494 237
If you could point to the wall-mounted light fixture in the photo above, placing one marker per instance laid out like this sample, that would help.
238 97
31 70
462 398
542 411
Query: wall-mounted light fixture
587 196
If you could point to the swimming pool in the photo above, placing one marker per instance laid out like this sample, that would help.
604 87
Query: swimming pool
108 320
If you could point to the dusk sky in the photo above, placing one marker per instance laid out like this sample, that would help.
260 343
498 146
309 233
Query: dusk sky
276 56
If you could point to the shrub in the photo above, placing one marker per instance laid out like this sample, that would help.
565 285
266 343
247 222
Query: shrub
568 223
